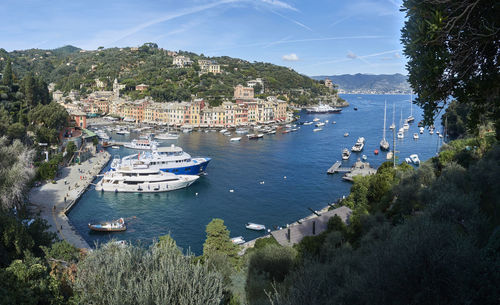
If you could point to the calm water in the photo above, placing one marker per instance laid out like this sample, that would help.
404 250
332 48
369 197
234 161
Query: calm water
303 157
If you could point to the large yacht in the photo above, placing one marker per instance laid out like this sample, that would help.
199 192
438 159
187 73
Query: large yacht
168 159
142 144
360 144
145 180
321 108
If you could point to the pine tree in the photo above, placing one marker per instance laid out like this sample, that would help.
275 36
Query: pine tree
7 79
218 240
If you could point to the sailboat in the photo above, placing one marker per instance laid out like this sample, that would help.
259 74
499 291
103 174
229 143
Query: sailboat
393 115
384 145
410 119
401 132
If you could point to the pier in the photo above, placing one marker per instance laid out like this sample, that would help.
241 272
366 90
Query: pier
54 200
359 168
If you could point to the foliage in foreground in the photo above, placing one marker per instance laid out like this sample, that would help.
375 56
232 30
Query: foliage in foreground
160 274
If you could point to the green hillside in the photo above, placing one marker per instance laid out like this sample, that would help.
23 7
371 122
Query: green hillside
72 68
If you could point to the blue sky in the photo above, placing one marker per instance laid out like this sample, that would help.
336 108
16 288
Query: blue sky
313 37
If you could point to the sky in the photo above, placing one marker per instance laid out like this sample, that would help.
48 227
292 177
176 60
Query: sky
313 37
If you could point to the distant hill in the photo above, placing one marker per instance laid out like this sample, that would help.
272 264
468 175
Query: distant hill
369 83
71 68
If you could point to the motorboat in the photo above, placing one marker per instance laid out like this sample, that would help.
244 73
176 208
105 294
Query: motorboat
168 159
109 226
320 124
315 120
252 136
167 136
361 140
346 134
364 157
408 160
317 129
236 139
321 108
400 135
115 147
406 126
431 131
239 240
272 132
308 123
358 147
389 155
142 180
142 144
384 145
227 133
241 131
414 159
421 130
260 135
415 136
102 135
346 154
223 130
186 129
122 131
255 226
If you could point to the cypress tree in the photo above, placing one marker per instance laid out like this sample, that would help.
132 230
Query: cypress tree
7 79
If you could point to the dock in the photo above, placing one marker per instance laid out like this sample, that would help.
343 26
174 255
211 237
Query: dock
52 201
336 168
359 168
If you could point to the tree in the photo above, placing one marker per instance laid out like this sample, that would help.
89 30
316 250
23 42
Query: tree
452 48
8 75
218 240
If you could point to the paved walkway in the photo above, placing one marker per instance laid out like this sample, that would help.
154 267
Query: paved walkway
51 199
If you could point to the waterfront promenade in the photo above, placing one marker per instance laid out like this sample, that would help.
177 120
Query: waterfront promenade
52 199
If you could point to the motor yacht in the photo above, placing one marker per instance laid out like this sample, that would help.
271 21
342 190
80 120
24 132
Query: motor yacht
255 226
414 158
346 154
133 180
168 159
142 144
167 136
321 108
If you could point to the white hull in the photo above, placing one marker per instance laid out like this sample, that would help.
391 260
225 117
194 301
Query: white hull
147 186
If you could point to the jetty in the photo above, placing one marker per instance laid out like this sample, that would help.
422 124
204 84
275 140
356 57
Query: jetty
52 201
336 168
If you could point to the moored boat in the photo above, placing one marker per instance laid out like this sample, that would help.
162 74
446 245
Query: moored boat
239 240
346 154
109 226
255 226
142 144
236 139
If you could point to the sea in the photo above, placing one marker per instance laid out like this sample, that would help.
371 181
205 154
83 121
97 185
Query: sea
273 181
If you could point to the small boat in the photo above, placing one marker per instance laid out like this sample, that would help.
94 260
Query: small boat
415 136
320 124
239 240
272 132
421 130
334 122
122 132
315 120
223 130
441 135
241 131
401 135
167 136
227 133
285 131
406 126
109 226
235 139
414 158
115 147
389 155
431 131
260 135
408 160
346 154
255 226
307 123
346 134
317 129
356 108
364 157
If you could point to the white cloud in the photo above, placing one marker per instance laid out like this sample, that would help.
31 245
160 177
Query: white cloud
280 4
290 57
351 55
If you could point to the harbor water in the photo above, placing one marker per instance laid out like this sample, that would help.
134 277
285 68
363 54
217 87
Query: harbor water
274 180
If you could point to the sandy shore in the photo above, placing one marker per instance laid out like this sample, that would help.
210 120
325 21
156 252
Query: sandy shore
51 200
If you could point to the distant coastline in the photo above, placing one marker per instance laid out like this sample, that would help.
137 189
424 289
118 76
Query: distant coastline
369 84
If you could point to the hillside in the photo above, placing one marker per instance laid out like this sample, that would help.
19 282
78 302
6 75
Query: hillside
369 83
71 68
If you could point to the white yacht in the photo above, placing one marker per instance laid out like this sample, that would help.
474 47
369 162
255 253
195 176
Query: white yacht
308 123
321 108
255 226
346 154
315 120
236 139
142 144
358 146
167 136
320 124
401 135
317 129
143 181
414 158
168 159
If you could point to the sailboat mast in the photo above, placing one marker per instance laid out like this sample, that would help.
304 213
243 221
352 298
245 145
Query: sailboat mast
393 112
411 105
385 109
